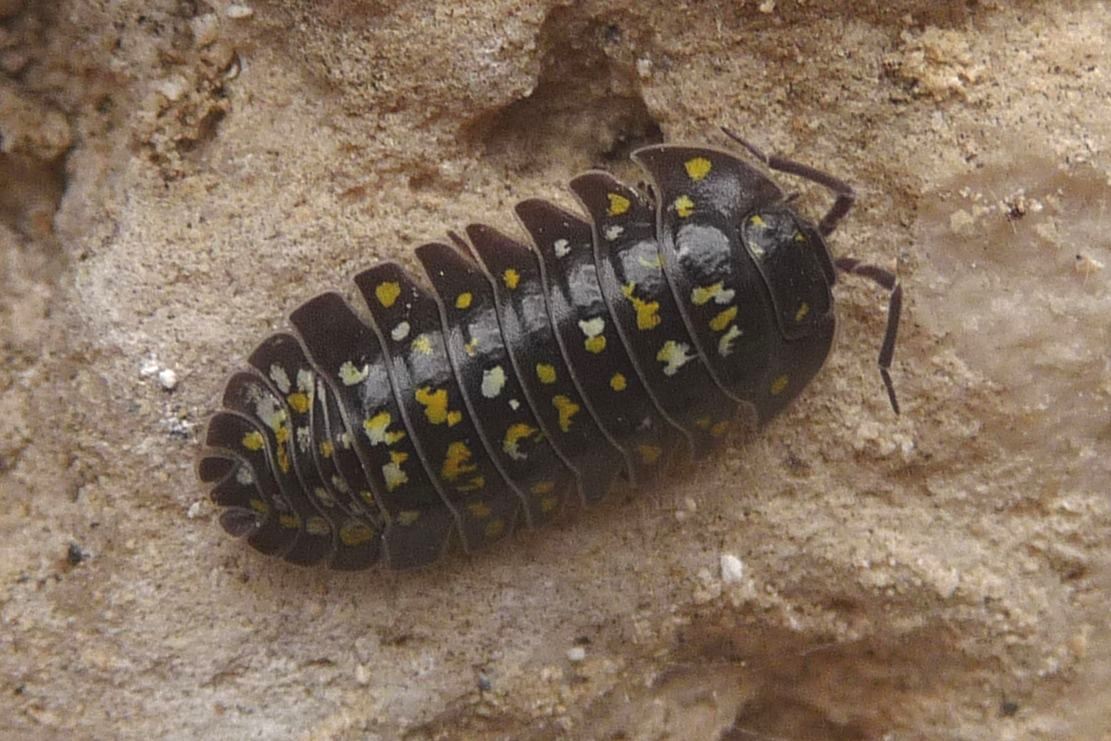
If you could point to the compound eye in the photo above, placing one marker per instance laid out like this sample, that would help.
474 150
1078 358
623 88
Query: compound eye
788 255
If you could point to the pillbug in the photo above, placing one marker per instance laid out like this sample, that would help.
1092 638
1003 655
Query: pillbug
533 376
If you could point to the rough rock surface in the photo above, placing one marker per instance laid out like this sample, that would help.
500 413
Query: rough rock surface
175 175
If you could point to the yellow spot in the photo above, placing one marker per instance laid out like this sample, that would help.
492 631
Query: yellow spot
377 430
289 520
684 206
456 463
720 429
407 517
422 344
799 237
367 497
703 423
282 433
647 311
283 458
387 293
481 510
326 449
463 300
804 309
619 204
398 457
697 168
595 344
471 348
435 406
545 373
542 487
618 382
474 484
511 278
353 533
758 221
513 436
567 409
723 319
778 385
253 440
298 401
259 506
547 504
494 528
650 262
317 526
650 453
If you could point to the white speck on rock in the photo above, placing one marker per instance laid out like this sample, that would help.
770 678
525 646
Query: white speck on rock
362 675
150 367
732 569
576 654
168 379
194 510
238 11
644 67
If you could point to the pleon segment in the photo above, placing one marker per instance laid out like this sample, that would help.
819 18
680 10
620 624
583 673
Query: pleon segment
280 359
514 272
248 395
491 390
350 359
276 531
585 330
647 317
432 406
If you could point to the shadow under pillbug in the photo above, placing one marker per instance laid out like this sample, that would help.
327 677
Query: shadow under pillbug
534 376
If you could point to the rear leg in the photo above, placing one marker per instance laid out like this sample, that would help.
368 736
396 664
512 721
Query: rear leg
844 192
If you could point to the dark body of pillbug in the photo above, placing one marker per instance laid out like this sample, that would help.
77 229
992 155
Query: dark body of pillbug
534 376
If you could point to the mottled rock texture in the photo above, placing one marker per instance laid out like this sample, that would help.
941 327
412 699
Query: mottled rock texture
176 175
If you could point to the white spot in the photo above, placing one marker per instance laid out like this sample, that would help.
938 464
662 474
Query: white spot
514 404
593 327
400 332
576 654
350 375
304 381
345 440
732 569
725 344
168 379
644 68
562 247
674 355
362 675
280 378
245 476
150 367
340 484
724 296
493 381
268 410
614 231
304 439
194 510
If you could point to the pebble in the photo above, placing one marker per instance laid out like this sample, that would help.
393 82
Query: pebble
732 569
168 379
362 675
576 654
237 11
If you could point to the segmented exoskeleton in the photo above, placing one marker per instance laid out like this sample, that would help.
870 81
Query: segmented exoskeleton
534 375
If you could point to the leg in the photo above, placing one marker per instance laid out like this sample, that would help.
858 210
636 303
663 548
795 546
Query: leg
890 281
843 191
